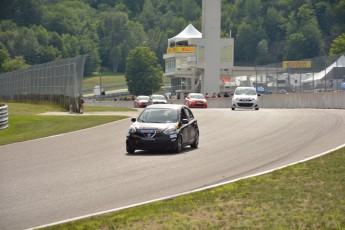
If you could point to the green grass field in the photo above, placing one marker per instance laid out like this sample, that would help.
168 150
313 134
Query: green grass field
107 79
110 80
25 123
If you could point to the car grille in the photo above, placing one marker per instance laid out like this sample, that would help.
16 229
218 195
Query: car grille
148 133
245 99
199 103
245 104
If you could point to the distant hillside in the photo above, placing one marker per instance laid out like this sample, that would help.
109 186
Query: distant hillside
39 31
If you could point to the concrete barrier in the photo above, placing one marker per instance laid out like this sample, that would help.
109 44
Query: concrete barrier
326 100
3 116
322 100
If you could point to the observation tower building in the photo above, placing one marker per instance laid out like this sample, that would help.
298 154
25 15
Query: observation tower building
200 62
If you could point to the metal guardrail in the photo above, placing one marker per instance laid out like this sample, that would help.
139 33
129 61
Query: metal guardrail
3 116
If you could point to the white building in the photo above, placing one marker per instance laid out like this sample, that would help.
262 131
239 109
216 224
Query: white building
200 62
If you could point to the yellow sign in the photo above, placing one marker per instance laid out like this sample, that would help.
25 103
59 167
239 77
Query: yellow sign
296 64
181 49
185 49
170 50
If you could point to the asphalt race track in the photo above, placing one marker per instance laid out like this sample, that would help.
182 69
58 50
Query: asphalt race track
84 172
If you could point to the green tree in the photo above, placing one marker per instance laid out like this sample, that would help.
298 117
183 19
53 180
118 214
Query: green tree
143 74
69 17
71 46
253 9
262 52
338 45
228 23
48 54
274 24
56 40
135 6
157 42
118 35
88 47
303 39
23 13
338 16
247 39
27 45
4 56
14 64
150 16
113 31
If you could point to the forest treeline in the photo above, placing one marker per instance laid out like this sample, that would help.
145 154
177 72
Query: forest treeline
265 31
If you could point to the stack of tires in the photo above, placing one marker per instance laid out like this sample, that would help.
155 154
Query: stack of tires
3 116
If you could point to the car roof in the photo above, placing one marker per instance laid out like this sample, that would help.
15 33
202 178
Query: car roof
166 106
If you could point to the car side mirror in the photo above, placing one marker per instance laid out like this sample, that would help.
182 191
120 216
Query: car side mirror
184 121
133 119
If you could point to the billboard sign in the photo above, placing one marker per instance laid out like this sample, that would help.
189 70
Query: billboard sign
296 64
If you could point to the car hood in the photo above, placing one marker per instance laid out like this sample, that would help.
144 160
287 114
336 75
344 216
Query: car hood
245 97
196 99
157 100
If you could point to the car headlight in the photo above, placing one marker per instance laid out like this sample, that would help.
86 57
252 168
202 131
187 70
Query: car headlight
132 129
170 130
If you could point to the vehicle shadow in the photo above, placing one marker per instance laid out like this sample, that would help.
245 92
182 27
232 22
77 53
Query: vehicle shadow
185 150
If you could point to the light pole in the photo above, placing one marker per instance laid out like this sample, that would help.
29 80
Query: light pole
100 83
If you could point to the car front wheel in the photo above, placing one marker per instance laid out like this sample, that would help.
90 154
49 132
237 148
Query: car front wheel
196 141
178 144
130 150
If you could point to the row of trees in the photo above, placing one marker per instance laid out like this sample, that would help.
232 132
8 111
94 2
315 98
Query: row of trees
38 31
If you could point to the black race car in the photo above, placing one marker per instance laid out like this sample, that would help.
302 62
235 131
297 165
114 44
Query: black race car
163 126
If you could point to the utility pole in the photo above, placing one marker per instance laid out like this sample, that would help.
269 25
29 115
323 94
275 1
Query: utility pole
100 83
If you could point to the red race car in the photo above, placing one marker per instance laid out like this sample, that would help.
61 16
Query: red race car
195 100
141 101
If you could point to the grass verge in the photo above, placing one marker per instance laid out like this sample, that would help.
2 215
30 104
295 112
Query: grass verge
25 123
107 78
105 108
309 195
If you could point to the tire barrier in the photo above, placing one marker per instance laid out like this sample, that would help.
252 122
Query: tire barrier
3 116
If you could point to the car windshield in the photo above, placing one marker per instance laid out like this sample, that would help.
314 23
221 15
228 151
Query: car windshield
197 96
158 97
158 115
143 98
245 91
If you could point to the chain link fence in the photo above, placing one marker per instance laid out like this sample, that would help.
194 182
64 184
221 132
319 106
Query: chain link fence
319 74
58 82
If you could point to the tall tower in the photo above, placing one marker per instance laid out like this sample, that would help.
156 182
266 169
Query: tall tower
211 23
200 62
